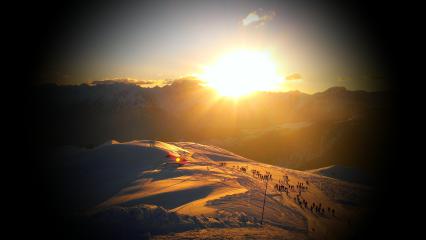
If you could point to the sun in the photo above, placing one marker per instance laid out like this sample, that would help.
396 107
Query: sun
242 72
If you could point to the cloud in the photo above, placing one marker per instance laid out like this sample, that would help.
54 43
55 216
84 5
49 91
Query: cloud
141 83
147 83
294 76
258 18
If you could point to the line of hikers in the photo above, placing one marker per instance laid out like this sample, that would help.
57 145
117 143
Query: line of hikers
264 177
301 186
283 185
242 169
256 174
281 188
315 208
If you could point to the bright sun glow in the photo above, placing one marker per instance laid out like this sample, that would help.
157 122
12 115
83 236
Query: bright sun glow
242 72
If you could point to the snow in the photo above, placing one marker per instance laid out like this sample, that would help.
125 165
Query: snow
134 185
265 232
344 173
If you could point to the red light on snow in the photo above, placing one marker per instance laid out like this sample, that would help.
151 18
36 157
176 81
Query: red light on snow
177 159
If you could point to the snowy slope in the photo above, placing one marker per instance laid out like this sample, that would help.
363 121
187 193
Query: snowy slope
137 188
344 173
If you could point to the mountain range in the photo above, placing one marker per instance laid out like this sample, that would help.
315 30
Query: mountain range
291 129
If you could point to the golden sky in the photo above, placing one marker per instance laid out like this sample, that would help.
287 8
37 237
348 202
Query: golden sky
312 47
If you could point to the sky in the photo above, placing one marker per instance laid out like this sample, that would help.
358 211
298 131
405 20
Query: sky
315 46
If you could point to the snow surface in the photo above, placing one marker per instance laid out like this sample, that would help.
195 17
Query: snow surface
344 173
137 189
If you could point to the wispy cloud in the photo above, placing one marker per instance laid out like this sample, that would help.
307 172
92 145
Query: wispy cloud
258 18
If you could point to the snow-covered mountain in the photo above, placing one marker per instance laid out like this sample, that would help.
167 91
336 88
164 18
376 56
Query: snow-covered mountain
109 95
144 188
307 131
